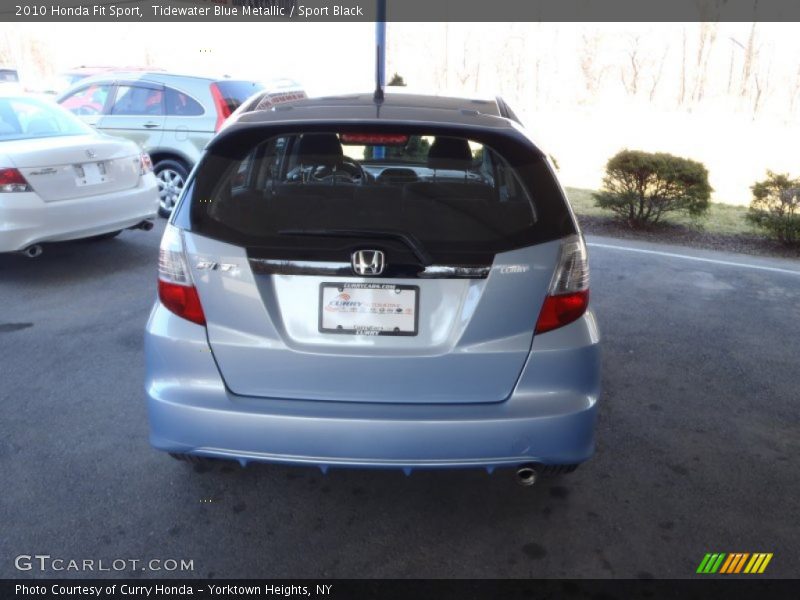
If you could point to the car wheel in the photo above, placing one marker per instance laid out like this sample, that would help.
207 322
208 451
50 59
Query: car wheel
105 236
171 177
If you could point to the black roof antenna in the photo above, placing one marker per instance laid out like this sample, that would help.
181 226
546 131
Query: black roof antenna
380 51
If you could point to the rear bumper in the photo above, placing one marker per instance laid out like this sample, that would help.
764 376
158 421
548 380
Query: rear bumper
26 219
549 418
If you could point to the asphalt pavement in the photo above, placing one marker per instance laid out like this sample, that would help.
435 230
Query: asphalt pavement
698 441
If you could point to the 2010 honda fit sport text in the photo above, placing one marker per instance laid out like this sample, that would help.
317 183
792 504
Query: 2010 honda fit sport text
395 284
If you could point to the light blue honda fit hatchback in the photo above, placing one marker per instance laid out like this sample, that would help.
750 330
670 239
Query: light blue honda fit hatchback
394 283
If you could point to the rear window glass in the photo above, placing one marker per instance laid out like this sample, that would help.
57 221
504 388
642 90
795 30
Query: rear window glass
88 100
309 196
29 118
182 105
235 92
134 100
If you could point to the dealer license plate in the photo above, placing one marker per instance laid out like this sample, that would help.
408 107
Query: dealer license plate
368 308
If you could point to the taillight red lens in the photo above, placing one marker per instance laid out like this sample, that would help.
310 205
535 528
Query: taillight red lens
223 109
182 300
562 309
11 180
145 163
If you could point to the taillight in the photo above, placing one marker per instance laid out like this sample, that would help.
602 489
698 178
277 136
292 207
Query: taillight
145 164
11 180
176 290
223 109
568 295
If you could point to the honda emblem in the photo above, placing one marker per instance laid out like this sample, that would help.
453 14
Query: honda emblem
368 262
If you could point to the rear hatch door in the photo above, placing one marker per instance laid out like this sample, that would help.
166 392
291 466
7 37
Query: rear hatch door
320 283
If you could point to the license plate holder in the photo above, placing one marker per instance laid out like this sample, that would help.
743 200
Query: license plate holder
369 309
92 173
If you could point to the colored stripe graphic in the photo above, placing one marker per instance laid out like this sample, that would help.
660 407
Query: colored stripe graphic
727 564
754 563
734 563
711 563
741 562
703 563
717 564
765 563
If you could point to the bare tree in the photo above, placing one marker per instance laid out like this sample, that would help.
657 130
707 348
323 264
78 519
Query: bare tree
469 66
761 79
658 73
747 67
514 54
6 56
36 56
708 35
682 87
730 70
631 70
794 93
149 58
590 69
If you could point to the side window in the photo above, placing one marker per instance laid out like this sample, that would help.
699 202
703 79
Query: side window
509 187
273 159
259 170
88 100
138 100
182 105
244 173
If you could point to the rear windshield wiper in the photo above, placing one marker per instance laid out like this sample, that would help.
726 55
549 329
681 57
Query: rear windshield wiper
409 240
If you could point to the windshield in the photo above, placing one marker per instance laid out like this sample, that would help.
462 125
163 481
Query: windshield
7 75
28 118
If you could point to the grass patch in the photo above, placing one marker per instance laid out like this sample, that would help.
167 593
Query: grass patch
724 219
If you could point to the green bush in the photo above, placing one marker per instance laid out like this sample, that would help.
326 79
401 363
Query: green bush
776 207
641 187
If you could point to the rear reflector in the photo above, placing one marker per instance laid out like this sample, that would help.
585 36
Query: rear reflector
568 296
11 180
176 290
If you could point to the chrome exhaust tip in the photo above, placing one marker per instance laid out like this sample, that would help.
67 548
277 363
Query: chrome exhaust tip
527 475
32 251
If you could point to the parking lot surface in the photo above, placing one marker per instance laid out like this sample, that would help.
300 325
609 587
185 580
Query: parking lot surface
698 441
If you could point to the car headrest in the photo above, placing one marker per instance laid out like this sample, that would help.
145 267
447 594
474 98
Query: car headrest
319 149
450 153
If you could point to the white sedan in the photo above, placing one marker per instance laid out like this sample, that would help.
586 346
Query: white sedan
61 180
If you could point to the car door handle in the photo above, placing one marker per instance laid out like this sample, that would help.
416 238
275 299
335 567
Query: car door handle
151 125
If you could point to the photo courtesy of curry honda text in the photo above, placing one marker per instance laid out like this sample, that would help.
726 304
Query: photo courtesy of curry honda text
392 282
61 180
